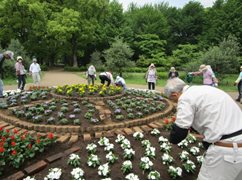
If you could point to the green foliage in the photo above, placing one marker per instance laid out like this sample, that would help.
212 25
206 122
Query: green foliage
118 56
44 67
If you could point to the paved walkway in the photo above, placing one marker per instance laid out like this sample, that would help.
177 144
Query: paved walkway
61 77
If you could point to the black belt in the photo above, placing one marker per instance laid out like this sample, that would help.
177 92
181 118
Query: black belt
206 144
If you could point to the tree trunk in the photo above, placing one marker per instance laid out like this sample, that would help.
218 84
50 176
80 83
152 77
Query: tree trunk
74 51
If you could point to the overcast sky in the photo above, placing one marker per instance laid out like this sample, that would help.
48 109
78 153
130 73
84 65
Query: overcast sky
176 3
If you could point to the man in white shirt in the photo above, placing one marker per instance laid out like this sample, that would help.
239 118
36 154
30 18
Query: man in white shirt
216 116
35 70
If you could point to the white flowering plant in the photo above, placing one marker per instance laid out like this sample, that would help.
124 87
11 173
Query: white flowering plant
194 150
154 175
74 160
165 147
77 174
127 166
104 170
93 161
109 147
162 140
191 138
150 152
189 166
103 141
29 178
54 174
120 138
200 145
138 135
175 172
199 160
155 132
125 144
145 164
110 157
91 148
184 155
129 153
167 159
132 176
146 143
183 144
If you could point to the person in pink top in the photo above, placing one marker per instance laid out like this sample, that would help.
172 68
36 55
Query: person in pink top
208 76
20 72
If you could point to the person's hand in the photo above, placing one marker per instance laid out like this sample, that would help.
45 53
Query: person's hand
216 84
235 84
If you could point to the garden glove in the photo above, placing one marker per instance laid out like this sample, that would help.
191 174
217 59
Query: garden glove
235 84
216 84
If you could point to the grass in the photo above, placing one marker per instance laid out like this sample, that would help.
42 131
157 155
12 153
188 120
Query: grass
226 85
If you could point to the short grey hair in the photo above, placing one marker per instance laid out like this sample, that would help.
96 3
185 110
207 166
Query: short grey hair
174 85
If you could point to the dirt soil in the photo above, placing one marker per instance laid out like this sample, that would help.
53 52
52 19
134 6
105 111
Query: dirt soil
116 173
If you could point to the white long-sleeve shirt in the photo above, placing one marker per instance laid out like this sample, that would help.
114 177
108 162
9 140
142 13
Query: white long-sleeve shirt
210 111
34 68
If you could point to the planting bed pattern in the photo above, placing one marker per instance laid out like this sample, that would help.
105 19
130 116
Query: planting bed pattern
122 112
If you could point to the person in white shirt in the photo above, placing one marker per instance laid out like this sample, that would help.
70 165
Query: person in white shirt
120 82
214 115
106 76
35 70
91 74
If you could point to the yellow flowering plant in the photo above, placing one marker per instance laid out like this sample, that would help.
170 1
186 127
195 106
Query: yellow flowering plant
69 92
101 93
82 92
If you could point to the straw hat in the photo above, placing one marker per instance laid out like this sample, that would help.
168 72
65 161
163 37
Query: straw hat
203 67
152 65
172 69
241 67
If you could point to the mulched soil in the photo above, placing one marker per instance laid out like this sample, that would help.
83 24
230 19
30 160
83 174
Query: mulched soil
84 109
116 173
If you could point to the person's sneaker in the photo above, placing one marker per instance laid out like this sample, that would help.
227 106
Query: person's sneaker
237 100
1 96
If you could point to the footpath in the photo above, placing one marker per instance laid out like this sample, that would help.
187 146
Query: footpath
60 77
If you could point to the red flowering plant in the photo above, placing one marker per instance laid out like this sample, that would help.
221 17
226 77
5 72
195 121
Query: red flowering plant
15 147
37 88
167 125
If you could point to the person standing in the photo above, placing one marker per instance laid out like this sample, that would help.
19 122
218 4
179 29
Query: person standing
91 74
35 70
120 82
5 55
173 73
20 72
106 76
208 76
214 115
151 76
239 82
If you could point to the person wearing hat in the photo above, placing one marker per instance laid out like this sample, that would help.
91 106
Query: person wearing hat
208 76
239 82
91 74
35 70
120 82
173 73
20 72
214 115
106 76
5 55
151 76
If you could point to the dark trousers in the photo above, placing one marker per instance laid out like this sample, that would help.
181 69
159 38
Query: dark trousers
153 85
104 78
21 80
240 89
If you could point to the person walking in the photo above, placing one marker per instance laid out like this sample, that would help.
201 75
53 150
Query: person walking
106 76
20 72
214 115
3 56
239 82
208 76
120 82
214 79
151 76
91 74
35 70
173 73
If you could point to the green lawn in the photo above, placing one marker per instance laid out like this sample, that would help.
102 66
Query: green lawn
226 85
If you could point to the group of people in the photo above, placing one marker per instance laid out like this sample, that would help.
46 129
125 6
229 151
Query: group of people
21 72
